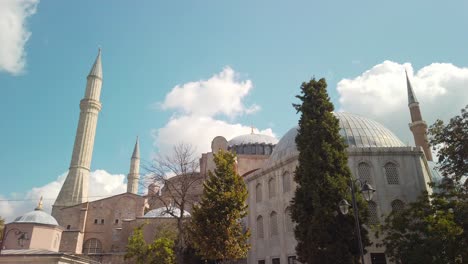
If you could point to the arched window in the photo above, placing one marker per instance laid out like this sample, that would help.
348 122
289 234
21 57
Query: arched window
364 172
289 226
258 193
271 188
92 246
373 217
274 223
397 206
259 226
286 182
391 172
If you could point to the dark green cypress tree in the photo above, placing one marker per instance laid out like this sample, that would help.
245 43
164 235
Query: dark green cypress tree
216 230
323 234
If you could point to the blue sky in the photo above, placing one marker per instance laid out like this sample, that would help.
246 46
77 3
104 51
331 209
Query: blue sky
153 46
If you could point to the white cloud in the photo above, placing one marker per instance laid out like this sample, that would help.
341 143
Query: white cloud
14 33
199 132
102 184
380 93
198 110
221 94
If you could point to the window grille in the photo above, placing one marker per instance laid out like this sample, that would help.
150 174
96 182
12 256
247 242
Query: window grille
391 172
373 216
258 192
259 226
274 223
364 172
398 206
92 246
275 261
271 188
286 182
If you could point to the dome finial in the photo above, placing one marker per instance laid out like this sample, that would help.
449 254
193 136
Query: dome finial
39 205
252 129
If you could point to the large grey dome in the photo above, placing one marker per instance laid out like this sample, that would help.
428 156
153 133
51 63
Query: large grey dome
252 139
37 217
357 131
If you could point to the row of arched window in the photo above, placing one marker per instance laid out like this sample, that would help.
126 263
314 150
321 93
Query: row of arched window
364 173
273 224
397 206
253 149
272 187
390 169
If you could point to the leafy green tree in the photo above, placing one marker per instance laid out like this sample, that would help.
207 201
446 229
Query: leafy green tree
451 143
160 251
323 177
2 226
434 229
216 229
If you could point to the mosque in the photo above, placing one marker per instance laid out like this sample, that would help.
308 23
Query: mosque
82 231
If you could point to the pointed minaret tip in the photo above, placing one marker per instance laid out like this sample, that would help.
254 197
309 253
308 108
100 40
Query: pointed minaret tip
136 150
39 205
96 70
411 95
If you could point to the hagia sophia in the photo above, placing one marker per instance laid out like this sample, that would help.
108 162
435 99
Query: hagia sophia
82 231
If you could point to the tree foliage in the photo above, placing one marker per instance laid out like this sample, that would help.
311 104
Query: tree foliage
160 251
434 229
451 143
323 177
2 226
216 229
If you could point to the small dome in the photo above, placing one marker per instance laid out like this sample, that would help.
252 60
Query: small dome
252 139
37 217
356 130
162 212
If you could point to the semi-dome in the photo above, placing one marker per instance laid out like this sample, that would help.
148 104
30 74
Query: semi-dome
163 212
37 217
252 139
356 130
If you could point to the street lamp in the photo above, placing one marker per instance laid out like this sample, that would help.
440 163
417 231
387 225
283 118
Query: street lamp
367 191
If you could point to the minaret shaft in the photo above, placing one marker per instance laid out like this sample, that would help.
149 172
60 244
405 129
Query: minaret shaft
134 175
75 188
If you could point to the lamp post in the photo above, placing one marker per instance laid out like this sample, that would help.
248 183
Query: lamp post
367 191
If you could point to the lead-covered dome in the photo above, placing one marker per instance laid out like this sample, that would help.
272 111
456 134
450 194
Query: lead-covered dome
252 139
356 130
253 144
37 217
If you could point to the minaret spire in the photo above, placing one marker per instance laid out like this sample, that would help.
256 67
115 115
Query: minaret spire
134 174
418 126
75 188
411 96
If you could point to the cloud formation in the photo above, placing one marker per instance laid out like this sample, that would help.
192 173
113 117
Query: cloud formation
199 108
14 33
221 94
101 185
380 93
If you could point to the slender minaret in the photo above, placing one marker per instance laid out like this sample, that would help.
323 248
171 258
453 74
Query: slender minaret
75 188
418 126
134 174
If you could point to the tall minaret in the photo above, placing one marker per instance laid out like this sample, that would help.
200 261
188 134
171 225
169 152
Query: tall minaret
418 126
75 188
134 174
